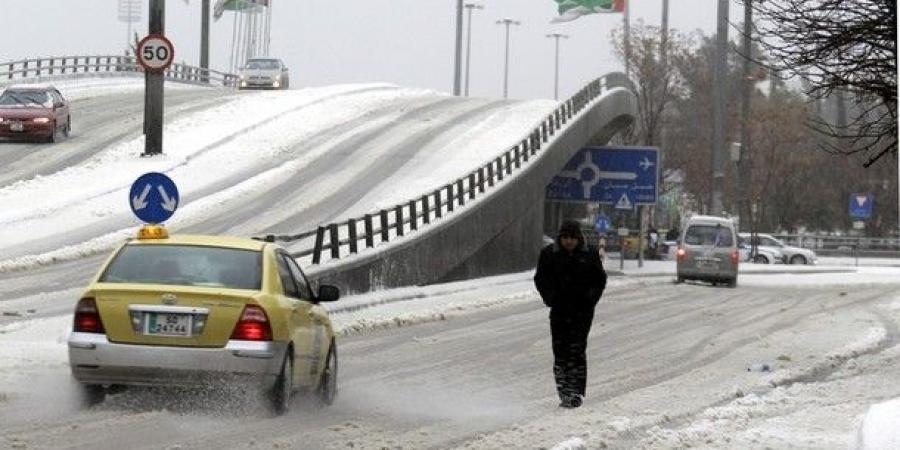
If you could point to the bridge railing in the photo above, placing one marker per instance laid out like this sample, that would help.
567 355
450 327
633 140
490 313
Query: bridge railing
76 66
341 239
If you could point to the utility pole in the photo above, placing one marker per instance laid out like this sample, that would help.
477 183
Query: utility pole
204 41
457 65
627 39
557 37
744 172
507 22
718 142
153 88
469 7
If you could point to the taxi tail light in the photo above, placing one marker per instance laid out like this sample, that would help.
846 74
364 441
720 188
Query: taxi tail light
682 253
87 317
735 257
253 325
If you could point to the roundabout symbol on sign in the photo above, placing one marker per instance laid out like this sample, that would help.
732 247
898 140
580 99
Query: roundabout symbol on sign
155 53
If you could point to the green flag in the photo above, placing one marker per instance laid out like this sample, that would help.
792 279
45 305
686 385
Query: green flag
572 9
231 5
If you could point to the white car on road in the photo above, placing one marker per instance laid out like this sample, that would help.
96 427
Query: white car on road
792 255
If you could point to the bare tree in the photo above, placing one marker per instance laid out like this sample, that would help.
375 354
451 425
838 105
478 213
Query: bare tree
655 79
840 47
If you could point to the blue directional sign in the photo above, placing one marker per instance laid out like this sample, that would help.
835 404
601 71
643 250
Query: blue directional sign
620 176
861 205
603 224
153 197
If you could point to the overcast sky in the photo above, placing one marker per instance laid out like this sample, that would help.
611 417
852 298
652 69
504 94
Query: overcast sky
407 42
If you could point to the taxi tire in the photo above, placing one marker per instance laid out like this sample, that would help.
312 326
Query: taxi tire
280 393
91 394
327 389
68 129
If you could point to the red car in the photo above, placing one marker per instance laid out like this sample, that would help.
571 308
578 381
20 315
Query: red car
34 112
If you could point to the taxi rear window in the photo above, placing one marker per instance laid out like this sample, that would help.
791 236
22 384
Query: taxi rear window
186 265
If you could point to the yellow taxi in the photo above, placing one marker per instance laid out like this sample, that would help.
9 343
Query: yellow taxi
191 310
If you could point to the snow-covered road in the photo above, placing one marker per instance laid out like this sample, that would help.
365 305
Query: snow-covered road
463 365
467 365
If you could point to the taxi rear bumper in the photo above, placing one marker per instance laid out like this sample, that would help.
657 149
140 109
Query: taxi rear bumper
96 360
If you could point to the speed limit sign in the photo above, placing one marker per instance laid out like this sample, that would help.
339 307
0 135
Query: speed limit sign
155 53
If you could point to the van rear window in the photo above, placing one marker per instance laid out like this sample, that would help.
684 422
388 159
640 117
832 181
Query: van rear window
714 235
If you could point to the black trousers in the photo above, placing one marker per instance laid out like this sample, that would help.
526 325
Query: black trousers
569 331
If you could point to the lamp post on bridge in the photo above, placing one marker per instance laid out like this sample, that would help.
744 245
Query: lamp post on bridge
557 37
469 7
508 22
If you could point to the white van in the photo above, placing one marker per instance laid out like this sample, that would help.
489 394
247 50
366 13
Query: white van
708 251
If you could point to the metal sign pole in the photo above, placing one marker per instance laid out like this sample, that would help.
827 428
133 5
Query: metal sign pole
153 90
641 233
204 40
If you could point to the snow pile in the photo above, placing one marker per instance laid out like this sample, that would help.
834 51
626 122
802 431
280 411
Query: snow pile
37 342
880 428
571 444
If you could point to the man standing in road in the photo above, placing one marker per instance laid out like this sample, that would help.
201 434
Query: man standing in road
570 279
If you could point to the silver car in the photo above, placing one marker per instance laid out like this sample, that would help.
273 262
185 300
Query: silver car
264 73
764 255
708 251
792 255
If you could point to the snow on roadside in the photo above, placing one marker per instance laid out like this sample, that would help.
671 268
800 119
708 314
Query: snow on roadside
879 429
193 168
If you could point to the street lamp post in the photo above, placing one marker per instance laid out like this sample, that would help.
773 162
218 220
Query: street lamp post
557 37
469 7
507 22
457 54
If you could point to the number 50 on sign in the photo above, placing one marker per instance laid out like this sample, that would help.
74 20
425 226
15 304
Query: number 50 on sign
155 53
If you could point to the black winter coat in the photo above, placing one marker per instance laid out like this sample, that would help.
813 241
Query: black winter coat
570 282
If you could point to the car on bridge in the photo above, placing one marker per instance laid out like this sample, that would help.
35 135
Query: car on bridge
792 255
188 310
264 73
34 112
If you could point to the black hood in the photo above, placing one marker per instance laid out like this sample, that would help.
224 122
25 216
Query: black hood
570 228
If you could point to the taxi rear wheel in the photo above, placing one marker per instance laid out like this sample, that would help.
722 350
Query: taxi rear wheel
327 389
280 394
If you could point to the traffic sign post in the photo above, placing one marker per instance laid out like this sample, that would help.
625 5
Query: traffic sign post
153 198
155 53
624 177
861 205
619 176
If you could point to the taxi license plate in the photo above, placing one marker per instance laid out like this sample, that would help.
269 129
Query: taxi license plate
166 324
16 126
707 263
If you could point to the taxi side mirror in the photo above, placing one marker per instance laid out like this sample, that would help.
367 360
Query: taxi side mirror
328 293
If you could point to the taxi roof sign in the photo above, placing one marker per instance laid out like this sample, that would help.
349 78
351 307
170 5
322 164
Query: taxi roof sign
153 232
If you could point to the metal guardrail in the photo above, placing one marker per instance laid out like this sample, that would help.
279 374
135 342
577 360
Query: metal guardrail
386 224
73 66
844 245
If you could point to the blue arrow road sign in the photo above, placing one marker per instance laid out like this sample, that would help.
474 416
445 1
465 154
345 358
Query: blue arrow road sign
620 176
153 197
861 205
603 224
